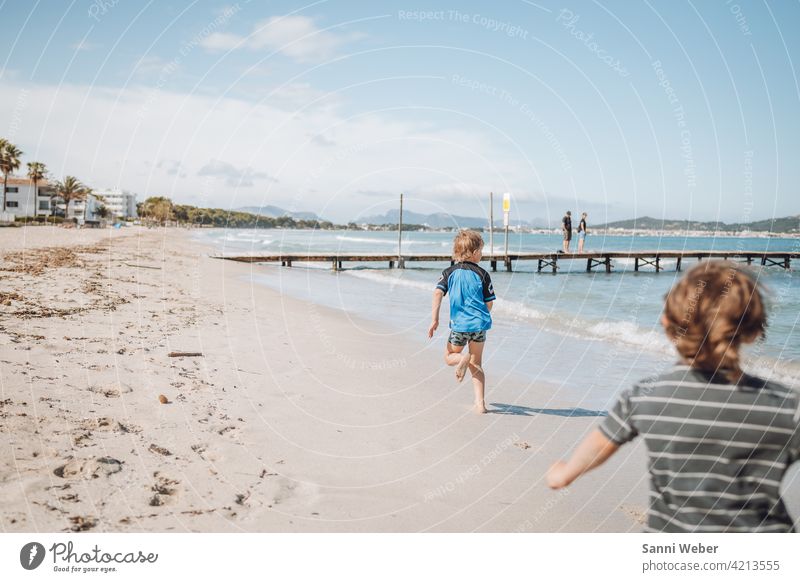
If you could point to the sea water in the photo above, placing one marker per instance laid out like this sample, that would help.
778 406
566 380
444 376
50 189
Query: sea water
590 334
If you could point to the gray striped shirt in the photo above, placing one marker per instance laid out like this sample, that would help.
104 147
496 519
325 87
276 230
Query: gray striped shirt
716 451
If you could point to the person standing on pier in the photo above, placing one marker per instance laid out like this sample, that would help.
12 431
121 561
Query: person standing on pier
471 299
582 232
566 228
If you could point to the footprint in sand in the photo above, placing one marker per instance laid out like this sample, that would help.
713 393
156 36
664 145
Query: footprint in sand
202 450
110 391
84 430
230 430
91 468
164 490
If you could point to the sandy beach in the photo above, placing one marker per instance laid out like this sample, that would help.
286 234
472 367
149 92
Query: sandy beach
293 418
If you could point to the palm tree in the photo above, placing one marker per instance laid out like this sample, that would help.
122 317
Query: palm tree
36 171
70 189
9 162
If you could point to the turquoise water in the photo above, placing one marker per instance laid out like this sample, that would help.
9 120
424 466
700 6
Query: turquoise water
593 332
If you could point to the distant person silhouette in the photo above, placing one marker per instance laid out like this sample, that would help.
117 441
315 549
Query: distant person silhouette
566 228
582 232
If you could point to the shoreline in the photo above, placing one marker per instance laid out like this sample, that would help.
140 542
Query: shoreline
296 418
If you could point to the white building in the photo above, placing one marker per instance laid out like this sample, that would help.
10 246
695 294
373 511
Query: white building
120 203
77 210
21 200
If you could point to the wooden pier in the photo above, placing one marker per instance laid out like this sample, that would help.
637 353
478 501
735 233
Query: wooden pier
548 262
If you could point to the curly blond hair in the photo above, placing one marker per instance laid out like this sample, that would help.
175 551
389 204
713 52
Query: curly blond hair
466 243
711 311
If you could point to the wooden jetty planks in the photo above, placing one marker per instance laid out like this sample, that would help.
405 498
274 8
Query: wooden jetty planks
543 260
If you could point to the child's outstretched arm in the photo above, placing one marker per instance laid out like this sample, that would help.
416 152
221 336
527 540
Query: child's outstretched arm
437 303
593 451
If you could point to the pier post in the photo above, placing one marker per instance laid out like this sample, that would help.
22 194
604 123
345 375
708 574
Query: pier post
749 259
539 268
400 236
588 265
678 264
391 264
288 263
491 230
494 266
333 265
555 267
658 264
508 265
635 264
608 264
786 262
401 264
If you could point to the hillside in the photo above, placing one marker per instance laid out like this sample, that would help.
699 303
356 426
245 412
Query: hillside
276 212
788 224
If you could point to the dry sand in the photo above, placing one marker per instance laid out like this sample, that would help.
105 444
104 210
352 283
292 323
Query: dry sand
295 417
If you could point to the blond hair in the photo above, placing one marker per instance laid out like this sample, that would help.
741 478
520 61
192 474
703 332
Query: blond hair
466 243
711 311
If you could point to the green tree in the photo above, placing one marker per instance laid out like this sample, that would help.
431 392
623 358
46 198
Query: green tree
157 209
71 189
9 162
36 171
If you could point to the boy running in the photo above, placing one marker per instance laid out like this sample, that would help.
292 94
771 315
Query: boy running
471 298
719 441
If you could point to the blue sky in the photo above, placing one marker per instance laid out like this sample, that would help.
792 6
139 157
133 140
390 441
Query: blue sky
675 109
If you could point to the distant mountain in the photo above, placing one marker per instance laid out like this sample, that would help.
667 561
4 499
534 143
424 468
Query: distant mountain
788 224
436 220
276 212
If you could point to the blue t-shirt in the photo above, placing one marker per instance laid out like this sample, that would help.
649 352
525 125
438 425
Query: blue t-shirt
470 287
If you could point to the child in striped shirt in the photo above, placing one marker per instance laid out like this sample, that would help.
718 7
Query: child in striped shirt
718 440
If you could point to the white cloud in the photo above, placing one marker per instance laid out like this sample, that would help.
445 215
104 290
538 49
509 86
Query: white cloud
234 177
226 152
297 37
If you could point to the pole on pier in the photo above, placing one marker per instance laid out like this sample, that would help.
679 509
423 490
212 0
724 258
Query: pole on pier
400 264
506 210
491 227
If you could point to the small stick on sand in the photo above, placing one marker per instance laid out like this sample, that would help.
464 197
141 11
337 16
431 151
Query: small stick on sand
141 266
185 355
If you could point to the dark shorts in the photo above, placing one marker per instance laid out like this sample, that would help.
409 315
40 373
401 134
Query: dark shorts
567 235
461 338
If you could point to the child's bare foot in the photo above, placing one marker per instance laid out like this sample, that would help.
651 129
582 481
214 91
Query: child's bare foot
480 408
461 368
